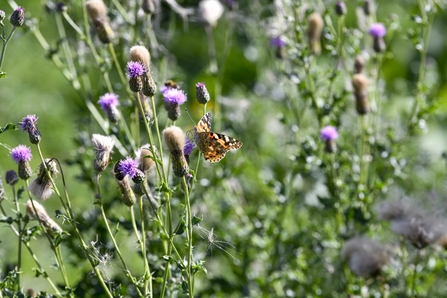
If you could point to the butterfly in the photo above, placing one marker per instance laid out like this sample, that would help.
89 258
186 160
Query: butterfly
213 145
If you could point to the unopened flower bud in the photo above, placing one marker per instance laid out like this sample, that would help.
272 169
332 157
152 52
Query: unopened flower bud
340 8
39 212
139 177
314 28
360 84
175 141
367 7
11 177
202 94
359 64
127 194
329 134
61 7
149 86
18 17
41 187
103 146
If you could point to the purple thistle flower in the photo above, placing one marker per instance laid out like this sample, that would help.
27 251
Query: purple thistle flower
277 42
377 30
174 96
329 133
189 146
108 101
135 69
129 167
163 89
21 153
29 123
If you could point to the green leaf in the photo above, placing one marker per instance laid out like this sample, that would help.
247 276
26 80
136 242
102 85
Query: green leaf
9 126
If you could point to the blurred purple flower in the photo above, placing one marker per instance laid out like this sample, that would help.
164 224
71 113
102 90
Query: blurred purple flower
377 30
329 133
108 101
277 42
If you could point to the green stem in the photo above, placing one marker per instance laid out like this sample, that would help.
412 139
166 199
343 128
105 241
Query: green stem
190 273
19 226
5 44
415 271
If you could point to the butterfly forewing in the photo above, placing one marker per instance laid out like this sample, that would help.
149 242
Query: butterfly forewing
213 145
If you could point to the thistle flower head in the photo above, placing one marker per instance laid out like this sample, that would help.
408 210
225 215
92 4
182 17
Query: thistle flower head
96 9
140 54
135 69
108 101
329 133
174 138
103 146
277 42
128 167
41 187
365 256
18 17
377 30
38 212
29 123
174 96
21 153
145 158
202 94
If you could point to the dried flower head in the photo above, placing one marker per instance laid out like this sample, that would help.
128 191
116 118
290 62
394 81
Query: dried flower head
360 84
11 178
96 9
145 158
18 17
41 187
173 98
365 256
103 146
97 12
175 141
202 94
315 25
29 125
418 226
140 54
210 11
38 212
22 156
108 103
359 64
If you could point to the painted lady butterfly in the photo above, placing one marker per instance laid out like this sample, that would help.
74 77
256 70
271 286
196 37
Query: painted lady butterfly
213 145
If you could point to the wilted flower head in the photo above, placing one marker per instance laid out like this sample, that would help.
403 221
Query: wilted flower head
175 141
360 85
377 30
18 17
29 125
22 155
145 158
202 94
210 11
365 256
108 103
39 212
140 54
97 11
418 226
315 25
41 187
103 146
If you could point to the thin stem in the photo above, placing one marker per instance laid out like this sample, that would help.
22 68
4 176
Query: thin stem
148 276
154 110
19 227
190 275
415 271
5 44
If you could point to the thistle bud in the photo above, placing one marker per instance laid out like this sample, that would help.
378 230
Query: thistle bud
329 134
22 156
109 103
61 7
360 84
2 16
368 7
18 17
378 31
280 47
340 8
39 212
149 86
145 158
175 141
103 146
41 187
202 94
173 98
11 178
314 28
29 125
359 64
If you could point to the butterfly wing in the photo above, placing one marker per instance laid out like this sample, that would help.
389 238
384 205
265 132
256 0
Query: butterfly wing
214 145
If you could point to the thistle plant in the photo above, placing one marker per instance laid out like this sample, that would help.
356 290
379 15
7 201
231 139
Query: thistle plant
337 191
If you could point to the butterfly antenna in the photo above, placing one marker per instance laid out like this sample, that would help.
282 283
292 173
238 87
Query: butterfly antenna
186 110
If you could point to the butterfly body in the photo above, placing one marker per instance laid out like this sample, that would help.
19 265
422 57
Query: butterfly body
213 145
